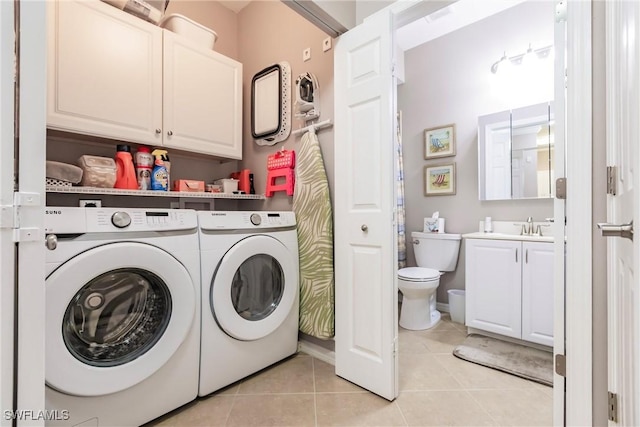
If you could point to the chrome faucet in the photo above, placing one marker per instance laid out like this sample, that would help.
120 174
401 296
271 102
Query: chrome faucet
530 226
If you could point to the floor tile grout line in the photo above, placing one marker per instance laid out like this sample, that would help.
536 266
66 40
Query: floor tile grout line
482 406
315 394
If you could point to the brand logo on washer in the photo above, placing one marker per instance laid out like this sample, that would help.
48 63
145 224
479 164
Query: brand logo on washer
48 212
218 214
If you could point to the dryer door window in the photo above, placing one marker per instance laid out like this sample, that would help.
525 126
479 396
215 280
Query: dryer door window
117 317
257 287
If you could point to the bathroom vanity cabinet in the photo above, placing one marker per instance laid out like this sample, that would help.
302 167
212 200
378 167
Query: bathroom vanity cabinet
115 76
509 288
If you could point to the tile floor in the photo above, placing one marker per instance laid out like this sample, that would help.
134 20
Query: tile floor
436 389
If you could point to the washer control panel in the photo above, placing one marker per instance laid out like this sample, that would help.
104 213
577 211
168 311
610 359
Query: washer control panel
99 220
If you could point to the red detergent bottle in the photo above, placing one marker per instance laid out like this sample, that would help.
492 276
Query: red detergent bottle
125 171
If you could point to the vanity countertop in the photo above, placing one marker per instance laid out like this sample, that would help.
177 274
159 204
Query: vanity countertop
505 236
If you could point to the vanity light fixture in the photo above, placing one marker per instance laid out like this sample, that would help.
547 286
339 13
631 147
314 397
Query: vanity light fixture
540 53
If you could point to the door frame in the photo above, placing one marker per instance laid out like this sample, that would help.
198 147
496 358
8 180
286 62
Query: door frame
574 406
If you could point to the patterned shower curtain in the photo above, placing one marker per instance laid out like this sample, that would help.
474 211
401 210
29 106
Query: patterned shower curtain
314 217
402 245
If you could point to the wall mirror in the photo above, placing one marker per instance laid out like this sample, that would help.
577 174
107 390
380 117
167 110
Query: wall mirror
515 153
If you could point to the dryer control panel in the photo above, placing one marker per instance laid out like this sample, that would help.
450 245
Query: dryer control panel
246 220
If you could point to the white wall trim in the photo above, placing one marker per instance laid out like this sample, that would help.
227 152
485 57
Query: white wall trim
317 351
578 326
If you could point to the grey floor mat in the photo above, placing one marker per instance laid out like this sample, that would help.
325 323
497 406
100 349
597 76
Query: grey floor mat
526 362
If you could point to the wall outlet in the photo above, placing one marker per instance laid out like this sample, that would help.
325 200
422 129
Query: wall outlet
306 54
85 203
326 44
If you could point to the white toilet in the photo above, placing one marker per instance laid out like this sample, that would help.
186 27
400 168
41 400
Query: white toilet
435 254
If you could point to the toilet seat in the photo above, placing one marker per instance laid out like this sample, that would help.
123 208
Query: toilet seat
418 274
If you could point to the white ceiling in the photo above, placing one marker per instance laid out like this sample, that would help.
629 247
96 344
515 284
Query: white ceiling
449 19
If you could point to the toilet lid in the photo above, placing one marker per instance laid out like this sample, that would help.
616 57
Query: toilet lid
418 273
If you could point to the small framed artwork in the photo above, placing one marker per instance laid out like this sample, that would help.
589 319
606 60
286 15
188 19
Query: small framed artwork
440 180
440 142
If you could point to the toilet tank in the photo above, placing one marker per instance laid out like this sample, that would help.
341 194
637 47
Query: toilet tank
436 250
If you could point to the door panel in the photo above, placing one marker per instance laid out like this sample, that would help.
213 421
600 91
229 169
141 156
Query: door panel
623 134
366 254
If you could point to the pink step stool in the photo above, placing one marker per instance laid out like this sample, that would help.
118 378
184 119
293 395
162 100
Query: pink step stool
280 165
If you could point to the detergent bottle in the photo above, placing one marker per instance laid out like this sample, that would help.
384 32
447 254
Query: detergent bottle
125 172
159 175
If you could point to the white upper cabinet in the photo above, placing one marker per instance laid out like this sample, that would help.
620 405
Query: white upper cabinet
116 76
202 99
104 71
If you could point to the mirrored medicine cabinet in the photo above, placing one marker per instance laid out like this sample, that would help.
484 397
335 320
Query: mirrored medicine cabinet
515 153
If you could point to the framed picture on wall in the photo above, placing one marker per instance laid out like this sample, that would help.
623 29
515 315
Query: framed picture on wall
440 180
440 142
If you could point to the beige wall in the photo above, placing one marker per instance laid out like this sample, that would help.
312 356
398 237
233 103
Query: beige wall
448 81
212 15
270 32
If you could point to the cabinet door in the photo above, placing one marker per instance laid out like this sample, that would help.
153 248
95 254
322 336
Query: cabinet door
104 72
537 293
202 99
493 286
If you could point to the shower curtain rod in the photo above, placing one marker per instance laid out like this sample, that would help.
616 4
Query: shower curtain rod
313 126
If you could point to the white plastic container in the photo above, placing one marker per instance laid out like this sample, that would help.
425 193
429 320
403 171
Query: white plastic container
456 305
184 26
228 185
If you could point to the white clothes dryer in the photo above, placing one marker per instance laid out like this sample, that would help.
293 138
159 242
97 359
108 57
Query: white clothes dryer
249 294
122 335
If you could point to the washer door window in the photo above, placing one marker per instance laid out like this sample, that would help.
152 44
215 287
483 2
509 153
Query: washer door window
254 288
115 315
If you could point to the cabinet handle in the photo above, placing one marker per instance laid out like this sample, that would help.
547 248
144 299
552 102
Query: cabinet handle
516 254
158 131
526 256
170 133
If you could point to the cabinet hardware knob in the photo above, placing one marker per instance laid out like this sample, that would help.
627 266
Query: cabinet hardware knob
364 228
170 133
158 131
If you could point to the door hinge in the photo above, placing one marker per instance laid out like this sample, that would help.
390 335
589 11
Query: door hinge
612 172
561 188
613 407
10 217
561 365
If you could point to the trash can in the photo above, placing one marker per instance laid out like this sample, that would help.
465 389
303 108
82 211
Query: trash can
456 305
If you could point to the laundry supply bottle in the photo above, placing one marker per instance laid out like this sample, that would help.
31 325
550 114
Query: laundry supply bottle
144 167
159 175
125 171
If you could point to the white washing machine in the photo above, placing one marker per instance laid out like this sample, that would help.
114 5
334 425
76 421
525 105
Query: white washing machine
122 339
249 294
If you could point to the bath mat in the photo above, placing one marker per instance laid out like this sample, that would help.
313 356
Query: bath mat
516 359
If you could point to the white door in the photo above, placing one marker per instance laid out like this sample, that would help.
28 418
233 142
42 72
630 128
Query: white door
365 254
21 239
623 134
7 247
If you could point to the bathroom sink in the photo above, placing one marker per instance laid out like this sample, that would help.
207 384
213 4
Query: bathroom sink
511 230
507 236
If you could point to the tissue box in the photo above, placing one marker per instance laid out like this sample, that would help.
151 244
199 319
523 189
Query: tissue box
431 225
188 185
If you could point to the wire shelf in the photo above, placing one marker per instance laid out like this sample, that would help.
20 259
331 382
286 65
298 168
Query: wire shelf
148 193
